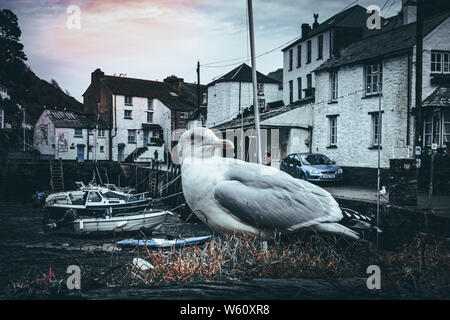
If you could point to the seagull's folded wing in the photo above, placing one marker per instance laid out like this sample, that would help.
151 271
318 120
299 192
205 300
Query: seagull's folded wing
268 198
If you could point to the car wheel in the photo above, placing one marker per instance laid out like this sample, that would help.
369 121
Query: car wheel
302 176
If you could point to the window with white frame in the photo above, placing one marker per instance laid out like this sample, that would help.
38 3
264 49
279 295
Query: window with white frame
128 100
290 59
127 114
260 87
376 129
332 122
333 85
299 55
149 117
320 47
440 62
436 128
78 133
299 88
131 136
373 78
308 51
446 129
261 103
102 149
101 133
150 104
291 91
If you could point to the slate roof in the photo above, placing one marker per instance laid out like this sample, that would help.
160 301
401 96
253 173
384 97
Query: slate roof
249 121
183 100
395 41
439 98
243 73
353 17
67 119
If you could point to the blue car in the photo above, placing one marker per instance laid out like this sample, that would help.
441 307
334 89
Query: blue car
311 167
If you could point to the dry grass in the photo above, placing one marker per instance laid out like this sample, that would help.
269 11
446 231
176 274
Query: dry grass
419 268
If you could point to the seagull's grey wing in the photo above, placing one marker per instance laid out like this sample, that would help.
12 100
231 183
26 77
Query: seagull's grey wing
268 198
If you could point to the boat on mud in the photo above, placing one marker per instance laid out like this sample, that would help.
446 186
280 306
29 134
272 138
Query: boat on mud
94 201
144 220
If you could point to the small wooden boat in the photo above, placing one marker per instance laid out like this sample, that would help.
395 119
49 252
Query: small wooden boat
164 243
128 222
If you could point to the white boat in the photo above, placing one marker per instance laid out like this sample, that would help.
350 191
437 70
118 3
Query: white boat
130 222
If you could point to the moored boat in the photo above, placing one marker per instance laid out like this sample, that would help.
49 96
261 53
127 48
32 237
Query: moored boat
93 201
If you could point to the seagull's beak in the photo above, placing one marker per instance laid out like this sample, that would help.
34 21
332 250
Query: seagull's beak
222 143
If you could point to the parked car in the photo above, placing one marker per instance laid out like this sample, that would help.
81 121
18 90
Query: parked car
311 167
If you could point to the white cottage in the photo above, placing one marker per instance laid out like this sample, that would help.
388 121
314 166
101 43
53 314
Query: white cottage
232 93
70 136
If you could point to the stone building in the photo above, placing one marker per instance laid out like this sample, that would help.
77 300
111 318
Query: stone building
71 136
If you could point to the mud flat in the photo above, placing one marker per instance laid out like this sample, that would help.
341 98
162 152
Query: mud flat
419 268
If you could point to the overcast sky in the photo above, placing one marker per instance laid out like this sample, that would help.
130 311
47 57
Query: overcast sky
152 39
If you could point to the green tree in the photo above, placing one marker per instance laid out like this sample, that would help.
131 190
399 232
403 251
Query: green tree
12 56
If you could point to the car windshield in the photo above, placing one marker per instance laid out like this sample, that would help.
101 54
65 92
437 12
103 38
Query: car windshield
314 159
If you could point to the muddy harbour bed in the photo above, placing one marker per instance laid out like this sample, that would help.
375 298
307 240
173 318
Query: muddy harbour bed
33 265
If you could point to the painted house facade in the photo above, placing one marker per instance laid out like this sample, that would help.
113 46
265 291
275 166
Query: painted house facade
232 93
317 44
141 114
70 136
381 69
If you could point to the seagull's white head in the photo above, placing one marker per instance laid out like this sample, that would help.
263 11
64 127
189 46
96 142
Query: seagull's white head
199 142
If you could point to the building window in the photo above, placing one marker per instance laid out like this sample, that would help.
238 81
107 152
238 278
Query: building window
128 100
90 149
309 81
102 149
184 115
149 117
261 103
333 85
440 62
299 88
332 121
150 104
308 51
299 56
376 129
291 91
320 47
446 129
131 136
290 60
127 114
374 78
101 133
78 133
260 89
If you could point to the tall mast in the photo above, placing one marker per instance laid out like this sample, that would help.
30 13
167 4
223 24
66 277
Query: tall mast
255 89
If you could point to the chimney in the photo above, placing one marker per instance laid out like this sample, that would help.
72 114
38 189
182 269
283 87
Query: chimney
305 29
174 82
97 75
315 24
409 11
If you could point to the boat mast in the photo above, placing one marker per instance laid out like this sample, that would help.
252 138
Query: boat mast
255 88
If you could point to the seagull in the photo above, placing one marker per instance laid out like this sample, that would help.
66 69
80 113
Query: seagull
234 196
